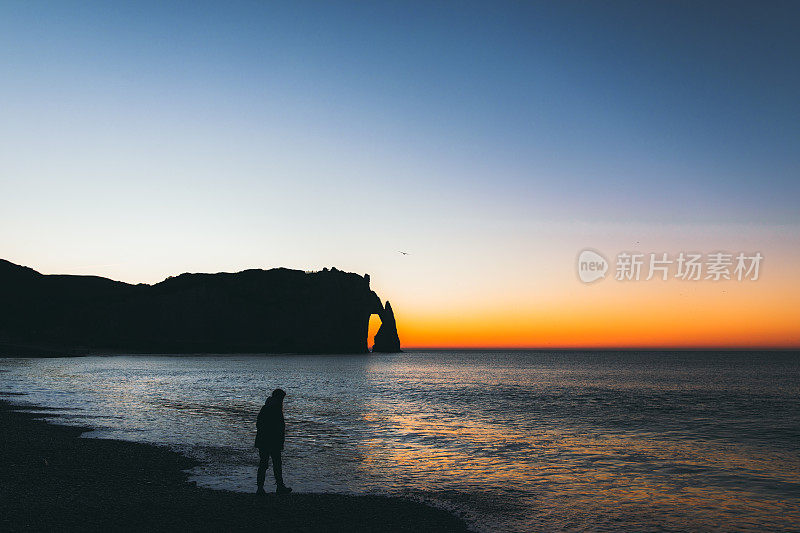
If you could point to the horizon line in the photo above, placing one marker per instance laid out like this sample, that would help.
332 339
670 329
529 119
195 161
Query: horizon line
609 348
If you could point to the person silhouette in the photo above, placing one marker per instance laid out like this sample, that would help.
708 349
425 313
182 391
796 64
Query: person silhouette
270 436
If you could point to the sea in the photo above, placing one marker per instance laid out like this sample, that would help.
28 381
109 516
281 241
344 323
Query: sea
508 440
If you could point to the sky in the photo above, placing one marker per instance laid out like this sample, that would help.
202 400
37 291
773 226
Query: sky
491 141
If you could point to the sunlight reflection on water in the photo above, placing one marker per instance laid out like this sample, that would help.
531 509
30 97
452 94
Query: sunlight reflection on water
510 440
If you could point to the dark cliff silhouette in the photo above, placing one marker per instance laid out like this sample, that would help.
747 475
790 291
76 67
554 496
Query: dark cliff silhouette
386 339
274 311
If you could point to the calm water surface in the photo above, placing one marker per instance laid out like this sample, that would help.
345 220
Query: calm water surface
512 441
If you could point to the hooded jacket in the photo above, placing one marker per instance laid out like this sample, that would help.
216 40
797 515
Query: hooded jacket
270 426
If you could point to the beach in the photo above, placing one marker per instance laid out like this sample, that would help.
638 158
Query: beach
51 478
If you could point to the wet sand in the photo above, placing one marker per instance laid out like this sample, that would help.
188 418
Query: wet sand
50 478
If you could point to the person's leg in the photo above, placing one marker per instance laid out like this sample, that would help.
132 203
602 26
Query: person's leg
277 467
263 464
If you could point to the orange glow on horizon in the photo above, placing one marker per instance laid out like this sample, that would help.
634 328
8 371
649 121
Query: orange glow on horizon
645 315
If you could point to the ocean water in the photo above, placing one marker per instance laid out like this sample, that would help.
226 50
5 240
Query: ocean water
512 441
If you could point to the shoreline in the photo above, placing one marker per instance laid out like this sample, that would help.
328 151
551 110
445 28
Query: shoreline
51 478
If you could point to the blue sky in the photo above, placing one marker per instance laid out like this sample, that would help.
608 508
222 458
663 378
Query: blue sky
143 139
628 98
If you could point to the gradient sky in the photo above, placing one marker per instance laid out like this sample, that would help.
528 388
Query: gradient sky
492 141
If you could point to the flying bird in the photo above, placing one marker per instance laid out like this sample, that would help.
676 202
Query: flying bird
404 253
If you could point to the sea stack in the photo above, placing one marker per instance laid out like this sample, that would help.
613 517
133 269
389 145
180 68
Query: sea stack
387 340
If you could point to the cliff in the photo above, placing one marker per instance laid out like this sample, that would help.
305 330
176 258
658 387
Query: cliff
272 311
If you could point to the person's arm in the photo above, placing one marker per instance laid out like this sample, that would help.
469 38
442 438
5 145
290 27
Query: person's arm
282 430
259 427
